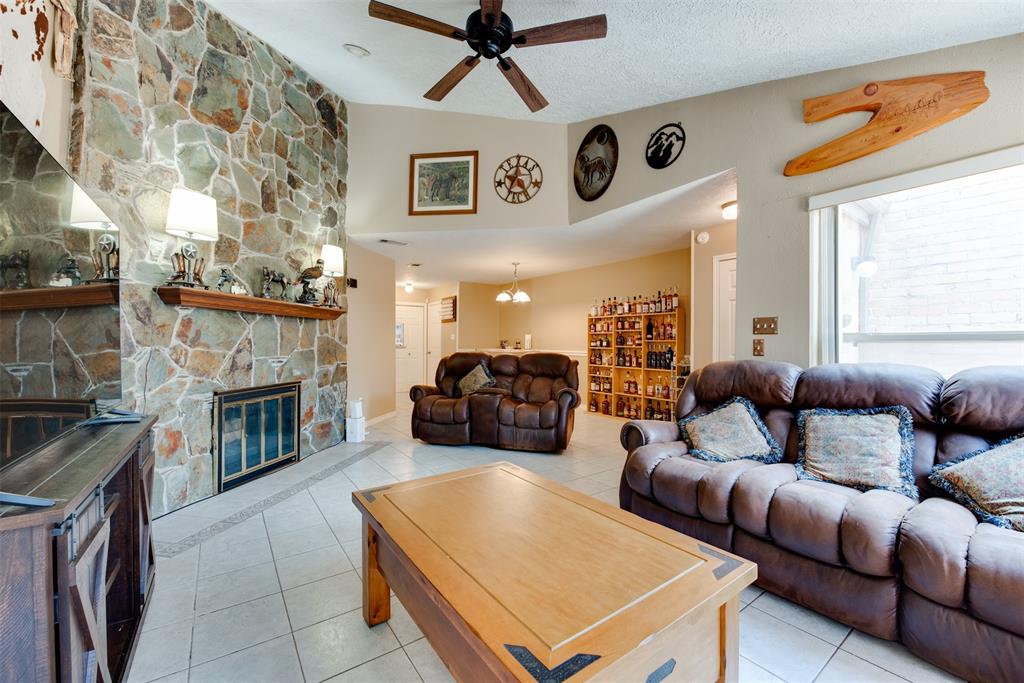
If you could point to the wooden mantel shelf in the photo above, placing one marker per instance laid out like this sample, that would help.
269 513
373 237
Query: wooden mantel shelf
102 294
242 303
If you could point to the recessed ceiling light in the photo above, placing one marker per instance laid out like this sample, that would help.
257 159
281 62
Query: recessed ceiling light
356 50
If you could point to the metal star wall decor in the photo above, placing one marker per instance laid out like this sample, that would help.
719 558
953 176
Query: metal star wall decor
518 179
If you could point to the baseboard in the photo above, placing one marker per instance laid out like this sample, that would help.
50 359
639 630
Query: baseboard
380 418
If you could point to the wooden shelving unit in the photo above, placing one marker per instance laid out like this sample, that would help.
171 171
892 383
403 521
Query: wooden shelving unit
102 294
613 376
243 303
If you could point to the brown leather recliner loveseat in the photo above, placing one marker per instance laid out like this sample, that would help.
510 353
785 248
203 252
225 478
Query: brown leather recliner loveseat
924 572
530 408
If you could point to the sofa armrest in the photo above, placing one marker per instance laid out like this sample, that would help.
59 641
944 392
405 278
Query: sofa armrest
420 390
567 398
636 433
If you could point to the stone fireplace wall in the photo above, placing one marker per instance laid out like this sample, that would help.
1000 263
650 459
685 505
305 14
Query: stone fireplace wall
170 93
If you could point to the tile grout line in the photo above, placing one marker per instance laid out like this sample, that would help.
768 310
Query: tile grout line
189 542
287 612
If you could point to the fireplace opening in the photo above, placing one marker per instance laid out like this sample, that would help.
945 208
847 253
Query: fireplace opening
255 430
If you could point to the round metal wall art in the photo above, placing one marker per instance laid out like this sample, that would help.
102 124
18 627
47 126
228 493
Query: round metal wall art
665 145
596 160
518 179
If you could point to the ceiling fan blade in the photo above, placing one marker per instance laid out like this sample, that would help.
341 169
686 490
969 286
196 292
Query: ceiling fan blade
522 85
378 10
452 78
492 9
587 28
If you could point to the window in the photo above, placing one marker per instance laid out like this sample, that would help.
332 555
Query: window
930 275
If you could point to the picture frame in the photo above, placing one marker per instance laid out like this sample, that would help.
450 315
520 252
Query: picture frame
443 183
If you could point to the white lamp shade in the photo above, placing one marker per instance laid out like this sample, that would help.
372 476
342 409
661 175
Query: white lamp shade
192 215
334 260
86 214
503 296
520 297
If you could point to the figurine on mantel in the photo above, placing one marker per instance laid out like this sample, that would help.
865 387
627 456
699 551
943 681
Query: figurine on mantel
307 278
14 270
269 278
67 274
235 286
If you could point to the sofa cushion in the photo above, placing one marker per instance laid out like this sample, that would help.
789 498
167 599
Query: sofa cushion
515 413
443 410
989 482
732 431
478 378
864 448
987 399
752 496
867 385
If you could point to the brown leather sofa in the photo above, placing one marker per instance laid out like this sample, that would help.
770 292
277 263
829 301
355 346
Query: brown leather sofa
529 409
926 573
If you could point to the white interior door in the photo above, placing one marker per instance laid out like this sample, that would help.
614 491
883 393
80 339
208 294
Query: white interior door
433 338
410 356
725 308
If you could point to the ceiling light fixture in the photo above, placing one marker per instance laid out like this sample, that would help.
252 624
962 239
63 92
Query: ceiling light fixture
408 288
356 50
729 211
515 295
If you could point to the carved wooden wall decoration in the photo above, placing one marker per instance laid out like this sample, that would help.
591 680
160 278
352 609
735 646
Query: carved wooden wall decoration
64 38
902 109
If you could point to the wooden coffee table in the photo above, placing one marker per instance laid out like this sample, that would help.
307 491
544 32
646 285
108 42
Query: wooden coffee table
513 577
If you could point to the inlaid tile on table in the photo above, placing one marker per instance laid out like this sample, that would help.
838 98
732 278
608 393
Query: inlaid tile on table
801 617
895 658
231 588
238 627
303 540
429 666
791 654
274 661
315 602
319 649
393 667
314 565
847 668
161 652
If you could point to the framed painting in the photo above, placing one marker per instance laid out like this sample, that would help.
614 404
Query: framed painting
442 183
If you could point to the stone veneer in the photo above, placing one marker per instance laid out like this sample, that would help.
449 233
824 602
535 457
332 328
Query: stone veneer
170 93
70 353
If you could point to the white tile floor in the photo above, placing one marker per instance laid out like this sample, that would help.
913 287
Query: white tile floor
275 596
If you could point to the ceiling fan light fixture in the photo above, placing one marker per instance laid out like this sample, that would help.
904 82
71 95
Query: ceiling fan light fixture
520 297
356 50
504 296
515 295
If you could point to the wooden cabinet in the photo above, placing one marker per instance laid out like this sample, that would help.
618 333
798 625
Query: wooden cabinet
74 578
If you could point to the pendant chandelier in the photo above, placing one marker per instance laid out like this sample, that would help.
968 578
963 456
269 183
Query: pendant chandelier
515 295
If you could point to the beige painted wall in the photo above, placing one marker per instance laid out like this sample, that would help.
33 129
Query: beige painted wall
371 330
383 137
756 129
557 315
722 240
478 317
54 128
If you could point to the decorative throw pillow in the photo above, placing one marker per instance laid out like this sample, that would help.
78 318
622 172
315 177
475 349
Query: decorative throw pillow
989 482
868 448
732 431
477 379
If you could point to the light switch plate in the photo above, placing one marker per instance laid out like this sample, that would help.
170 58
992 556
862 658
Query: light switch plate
766 325
759 347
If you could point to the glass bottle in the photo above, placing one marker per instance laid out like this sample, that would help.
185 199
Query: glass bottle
620 407
650 386
593 404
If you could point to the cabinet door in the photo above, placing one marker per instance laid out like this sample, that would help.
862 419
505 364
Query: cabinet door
147 553
83 606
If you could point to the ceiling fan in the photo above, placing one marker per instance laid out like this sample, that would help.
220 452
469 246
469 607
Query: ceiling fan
489 33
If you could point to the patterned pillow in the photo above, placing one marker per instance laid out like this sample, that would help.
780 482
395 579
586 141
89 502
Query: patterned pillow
732 431
989 482
864 448
475 380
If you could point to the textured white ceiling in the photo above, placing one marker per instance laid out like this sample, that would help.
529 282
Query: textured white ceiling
656 51
650 226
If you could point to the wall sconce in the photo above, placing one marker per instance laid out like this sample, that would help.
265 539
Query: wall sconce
193 216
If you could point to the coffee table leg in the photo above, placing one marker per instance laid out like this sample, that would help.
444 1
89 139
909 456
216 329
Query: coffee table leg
730 625
376 593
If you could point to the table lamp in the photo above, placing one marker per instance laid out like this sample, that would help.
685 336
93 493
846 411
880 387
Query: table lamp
85 214
193 216
334 267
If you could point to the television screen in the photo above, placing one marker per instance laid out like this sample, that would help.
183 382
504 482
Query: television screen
60 341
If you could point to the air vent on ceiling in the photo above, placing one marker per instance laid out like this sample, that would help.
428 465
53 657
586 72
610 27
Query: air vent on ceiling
394 242
415 265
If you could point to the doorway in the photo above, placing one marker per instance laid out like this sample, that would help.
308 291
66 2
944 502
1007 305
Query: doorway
434 344
410 346
723 343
